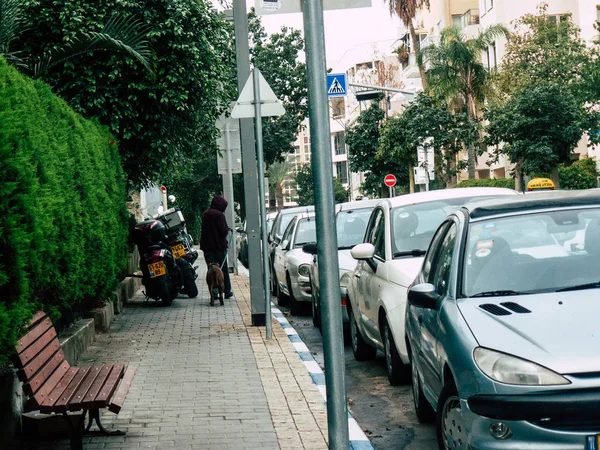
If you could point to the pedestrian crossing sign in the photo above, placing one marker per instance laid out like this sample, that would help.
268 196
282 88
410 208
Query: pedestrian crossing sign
336 84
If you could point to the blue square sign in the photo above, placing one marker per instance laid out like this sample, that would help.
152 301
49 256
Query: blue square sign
336 84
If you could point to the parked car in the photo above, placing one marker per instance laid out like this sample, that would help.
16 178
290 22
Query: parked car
242 242
280 223
291 264
397 236
502 328
351 222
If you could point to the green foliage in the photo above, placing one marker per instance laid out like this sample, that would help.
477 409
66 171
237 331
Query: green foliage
161 120
363 142
488 182
306 190
63 222
582 174
539 125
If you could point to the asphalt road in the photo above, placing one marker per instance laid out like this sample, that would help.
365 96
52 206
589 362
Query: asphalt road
384 412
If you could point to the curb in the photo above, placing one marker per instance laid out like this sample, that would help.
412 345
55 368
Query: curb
358 439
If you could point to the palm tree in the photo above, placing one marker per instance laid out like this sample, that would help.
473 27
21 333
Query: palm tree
123 34
455 72
406 10
278 172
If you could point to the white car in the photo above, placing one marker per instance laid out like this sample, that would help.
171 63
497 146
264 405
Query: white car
397 237
291 265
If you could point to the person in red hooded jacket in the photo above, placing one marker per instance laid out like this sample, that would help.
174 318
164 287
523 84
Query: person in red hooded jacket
213 238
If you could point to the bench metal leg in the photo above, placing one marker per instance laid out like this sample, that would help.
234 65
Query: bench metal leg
94 415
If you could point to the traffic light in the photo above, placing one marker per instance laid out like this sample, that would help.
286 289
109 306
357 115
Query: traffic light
362 96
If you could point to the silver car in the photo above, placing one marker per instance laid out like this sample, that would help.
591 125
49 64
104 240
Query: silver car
502 325
291 265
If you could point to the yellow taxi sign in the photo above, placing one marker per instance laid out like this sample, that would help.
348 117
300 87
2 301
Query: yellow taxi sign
540 184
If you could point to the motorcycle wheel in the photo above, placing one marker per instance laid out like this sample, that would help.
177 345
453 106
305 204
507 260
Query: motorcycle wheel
189 281
163 291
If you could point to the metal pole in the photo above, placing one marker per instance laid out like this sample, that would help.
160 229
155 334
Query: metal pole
229 197
390 191
333 341
240 22
261 196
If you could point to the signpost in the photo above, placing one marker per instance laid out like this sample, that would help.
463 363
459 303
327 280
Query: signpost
390 181
163 190
337 86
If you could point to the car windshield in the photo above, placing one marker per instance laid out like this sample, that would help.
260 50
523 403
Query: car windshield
536 252
351 226
413 225
305 233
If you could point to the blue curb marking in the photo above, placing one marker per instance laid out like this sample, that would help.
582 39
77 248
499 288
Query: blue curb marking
358 439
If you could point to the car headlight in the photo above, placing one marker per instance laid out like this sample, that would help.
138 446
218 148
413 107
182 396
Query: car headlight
345 277
512 370
304 270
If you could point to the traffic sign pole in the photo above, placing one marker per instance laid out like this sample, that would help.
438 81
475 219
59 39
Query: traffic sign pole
163 190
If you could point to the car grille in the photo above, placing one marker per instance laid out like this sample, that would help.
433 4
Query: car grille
495 309
578 424
515 307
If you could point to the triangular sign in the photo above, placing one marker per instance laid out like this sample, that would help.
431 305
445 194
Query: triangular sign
269 104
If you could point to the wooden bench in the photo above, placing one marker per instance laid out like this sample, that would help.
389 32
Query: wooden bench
55 387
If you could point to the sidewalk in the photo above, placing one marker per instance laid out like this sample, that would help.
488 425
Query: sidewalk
207 379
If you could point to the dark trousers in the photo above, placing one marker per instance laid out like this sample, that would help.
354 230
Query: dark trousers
211 256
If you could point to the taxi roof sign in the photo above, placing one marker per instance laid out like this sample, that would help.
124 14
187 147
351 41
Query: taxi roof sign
540 184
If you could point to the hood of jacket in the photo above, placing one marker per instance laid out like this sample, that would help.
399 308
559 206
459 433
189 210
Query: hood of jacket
219 203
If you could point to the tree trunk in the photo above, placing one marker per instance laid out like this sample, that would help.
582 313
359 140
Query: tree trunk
417 48
411 180
554 177
471 150
279 195
519 176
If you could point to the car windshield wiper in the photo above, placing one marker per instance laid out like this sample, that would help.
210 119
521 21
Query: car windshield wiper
580 287
415 252
345 247
499 293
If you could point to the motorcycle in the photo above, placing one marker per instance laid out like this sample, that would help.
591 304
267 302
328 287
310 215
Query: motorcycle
181 245
161 275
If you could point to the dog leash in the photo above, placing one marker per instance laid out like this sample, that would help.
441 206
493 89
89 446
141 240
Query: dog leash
230 233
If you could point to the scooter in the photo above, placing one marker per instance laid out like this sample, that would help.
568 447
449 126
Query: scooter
161 275
181 245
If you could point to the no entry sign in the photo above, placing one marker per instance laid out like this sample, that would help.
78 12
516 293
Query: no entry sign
389 180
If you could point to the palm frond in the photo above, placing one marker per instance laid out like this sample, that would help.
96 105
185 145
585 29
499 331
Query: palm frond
10 18
126 35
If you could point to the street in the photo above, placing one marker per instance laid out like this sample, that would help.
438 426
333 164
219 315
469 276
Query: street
384 412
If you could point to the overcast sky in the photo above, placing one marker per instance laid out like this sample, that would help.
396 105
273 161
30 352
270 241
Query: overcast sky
344 28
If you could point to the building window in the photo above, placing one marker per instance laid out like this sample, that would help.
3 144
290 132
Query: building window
307 157
339 143
491 57
338 108
557 18
487 5
341 170
456 22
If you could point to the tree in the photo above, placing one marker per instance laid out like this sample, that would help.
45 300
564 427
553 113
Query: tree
277 57
278 172
306 190
539 125
160 121
457 74
363 143
406 10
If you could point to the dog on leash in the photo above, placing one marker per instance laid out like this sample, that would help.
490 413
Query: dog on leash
215 282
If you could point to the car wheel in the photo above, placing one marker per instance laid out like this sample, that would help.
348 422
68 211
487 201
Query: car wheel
395 368
316 318
451 431
423 409
294 304
282 299
361 350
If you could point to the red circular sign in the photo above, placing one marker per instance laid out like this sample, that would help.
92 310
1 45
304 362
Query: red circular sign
163 188
389 180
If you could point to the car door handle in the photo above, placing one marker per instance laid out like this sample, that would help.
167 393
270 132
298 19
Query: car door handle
420 320
357 275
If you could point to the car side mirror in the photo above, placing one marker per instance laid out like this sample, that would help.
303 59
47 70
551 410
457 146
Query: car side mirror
310 248
423 296
285 244
269 238
365 252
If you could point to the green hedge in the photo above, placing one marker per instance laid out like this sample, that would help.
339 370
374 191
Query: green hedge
488 182
63 222
582 174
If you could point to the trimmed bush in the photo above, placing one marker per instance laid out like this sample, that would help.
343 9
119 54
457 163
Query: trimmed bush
582 174
63 222
488 182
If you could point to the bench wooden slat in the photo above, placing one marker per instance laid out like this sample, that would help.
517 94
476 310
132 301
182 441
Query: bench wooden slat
46 406
51 382
31 351
61 404
79 395
117 402
110 386
35 330
90 396
35 383
30 369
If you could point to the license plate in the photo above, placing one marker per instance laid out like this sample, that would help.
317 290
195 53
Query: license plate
178 251
593 442
157 269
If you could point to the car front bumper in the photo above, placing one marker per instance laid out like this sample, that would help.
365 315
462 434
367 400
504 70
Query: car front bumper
560 420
